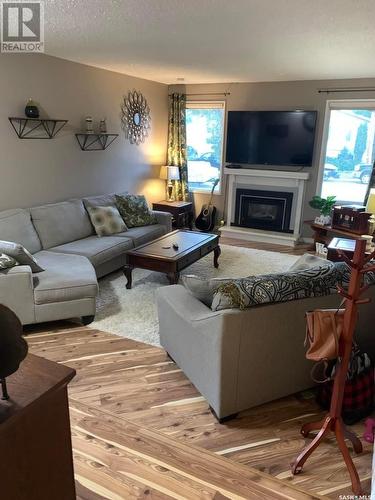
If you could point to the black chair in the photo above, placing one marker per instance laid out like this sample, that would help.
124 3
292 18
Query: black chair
13 347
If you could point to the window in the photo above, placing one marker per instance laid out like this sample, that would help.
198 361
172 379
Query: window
349 151
204 136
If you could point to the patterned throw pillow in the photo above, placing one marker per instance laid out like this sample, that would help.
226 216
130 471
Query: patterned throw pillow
106 220
134 210
21 255
7 262
315 282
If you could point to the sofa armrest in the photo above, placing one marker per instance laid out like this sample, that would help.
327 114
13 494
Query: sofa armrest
17 292
185 304
204 344
164 218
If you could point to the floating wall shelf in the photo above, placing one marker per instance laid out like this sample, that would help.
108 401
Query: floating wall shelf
36 128
95 142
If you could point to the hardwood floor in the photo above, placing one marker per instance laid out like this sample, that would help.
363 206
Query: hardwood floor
298 250
141 430
140 427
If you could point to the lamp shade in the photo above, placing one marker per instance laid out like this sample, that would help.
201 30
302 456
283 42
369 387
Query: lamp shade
371 202
173 174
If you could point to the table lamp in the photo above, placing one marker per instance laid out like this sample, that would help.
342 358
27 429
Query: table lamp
370 207
170 173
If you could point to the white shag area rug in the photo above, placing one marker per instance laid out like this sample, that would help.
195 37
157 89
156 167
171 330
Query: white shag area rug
133 314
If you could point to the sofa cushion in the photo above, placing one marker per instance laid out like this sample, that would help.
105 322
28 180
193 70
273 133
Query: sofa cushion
60 223
21 254
66 278
103 200
134 210
144 234
16 225
7 262
97 250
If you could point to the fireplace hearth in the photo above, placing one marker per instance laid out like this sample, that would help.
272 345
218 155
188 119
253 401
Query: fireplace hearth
260 209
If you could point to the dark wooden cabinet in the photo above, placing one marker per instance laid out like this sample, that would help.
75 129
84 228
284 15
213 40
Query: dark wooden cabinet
35 439
181 211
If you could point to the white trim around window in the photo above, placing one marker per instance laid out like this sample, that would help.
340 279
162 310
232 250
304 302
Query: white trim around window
331 105
207 104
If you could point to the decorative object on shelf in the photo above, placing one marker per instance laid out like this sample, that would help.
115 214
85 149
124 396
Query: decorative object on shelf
170 174
369 245
103 126
95 142
13 347
31 109
89 125
325 206
321 250
135 117
351 218
36 128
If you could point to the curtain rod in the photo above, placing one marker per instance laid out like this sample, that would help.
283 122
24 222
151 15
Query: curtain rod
209 93
350 89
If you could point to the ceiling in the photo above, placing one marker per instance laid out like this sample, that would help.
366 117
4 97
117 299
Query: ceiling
207 41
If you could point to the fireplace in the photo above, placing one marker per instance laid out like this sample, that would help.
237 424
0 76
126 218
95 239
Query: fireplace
267 210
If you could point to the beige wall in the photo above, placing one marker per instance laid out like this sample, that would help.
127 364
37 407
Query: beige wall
40 171
280 96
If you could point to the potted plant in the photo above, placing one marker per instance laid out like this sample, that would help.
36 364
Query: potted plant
324 205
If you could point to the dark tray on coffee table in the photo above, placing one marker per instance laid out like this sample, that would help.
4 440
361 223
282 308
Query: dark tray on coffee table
159 255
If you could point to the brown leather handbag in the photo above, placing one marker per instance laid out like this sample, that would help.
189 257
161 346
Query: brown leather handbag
323 330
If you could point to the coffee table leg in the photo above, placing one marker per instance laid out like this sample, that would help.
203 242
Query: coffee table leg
217 252
128 274
173 278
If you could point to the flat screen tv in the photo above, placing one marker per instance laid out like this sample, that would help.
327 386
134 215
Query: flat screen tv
271 137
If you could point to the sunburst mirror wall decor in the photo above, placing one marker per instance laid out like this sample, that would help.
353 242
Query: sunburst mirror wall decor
135 117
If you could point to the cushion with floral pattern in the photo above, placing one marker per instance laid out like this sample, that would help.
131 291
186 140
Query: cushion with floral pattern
134 210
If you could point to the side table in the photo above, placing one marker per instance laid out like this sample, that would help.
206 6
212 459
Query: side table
181 211
325 234
35 439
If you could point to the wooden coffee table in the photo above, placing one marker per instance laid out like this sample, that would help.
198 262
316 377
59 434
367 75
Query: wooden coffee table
159 255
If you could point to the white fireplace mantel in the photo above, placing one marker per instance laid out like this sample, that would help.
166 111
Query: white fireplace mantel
277 180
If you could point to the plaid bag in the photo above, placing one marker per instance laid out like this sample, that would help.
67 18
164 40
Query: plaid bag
359 390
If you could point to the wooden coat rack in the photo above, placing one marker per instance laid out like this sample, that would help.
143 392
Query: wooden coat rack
333 421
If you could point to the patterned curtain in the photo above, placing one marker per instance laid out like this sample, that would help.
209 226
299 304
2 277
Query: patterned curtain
177 142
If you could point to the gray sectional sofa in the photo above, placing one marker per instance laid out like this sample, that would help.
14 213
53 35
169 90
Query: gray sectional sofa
62 239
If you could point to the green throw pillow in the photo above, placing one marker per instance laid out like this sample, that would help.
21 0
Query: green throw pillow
134 210
106 220
7 262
